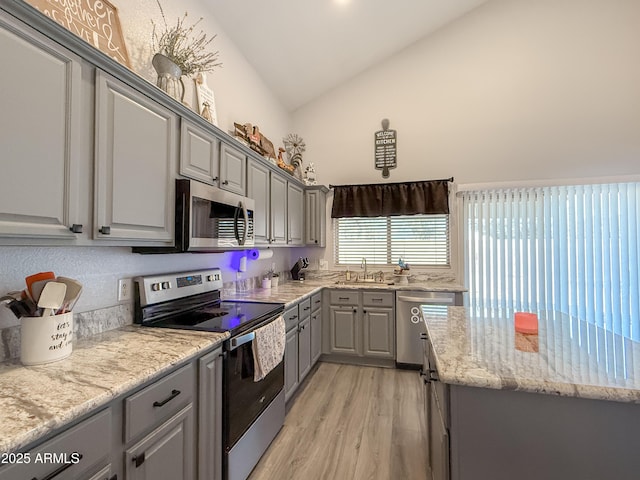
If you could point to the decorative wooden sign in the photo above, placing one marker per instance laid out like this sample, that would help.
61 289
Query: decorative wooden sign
95 21
385 149
205 101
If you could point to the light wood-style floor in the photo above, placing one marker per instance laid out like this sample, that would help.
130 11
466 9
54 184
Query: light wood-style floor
350 422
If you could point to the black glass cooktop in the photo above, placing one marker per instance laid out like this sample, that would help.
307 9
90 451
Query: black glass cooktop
221 317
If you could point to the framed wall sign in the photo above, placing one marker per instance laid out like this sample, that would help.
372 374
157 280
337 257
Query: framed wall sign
385 142
205 101
95 21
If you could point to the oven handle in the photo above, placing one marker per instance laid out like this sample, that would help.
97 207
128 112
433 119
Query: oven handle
241 340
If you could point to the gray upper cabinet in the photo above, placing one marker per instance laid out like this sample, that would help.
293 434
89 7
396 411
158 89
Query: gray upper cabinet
315 201
41 126
278 217
258 188
233 169
136 157
199 154
295 214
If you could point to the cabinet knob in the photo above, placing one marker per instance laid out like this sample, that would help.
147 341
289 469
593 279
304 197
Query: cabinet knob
316 241
76 228
225 182
105 230
364 311
355 310
138 459
215 179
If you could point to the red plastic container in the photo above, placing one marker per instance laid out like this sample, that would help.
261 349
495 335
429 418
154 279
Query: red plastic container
526 323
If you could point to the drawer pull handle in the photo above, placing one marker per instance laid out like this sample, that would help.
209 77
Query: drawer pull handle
138 459
376 299
343 298
317 301
105 230
306 308
76 228
174 394
60 469
293 317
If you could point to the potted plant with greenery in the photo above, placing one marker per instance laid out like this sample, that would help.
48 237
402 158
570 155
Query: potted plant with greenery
180 51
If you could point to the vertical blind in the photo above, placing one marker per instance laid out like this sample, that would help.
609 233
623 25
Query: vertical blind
418 239
573 249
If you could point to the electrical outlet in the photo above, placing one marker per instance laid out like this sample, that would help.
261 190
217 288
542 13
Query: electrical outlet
125 289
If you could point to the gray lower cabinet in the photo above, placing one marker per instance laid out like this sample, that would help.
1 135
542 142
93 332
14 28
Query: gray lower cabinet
291 364
316 327
41 130
80 451
295 214
233 169
299 355
199 153
361 325
135 144
170 428
167 452
209 428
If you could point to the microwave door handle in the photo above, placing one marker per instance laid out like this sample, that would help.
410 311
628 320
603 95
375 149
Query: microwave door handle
245 216
235 223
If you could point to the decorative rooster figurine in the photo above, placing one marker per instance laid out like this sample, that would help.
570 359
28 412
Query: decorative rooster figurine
282 164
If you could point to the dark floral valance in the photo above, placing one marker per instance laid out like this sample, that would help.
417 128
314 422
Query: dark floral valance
386 199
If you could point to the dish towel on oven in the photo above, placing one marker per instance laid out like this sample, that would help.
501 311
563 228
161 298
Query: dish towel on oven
268 348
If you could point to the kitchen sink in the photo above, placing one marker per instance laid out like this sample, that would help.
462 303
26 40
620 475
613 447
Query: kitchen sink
362 282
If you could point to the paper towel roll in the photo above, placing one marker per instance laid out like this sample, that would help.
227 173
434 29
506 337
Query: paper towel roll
260 254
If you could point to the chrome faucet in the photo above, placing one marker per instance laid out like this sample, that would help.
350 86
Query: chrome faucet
363 265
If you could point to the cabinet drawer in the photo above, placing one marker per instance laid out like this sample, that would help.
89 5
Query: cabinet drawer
377 299
74 452
291 317
343 297
152 405
304 308
316 301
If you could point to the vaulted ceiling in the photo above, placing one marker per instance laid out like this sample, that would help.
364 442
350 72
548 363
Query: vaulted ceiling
303 48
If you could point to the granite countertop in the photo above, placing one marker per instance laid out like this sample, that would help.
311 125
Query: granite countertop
568 357
294 291
38 399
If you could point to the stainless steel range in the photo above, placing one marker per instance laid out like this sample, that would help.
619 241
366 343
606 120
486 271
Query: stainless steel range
253 412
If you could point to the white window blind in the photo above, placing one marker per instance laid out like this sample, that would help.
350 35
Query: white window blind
418 239
573 249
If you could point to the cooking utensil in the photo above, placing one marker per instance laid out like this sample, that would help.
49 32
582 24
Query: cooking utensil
38 286
52 297
36 277
74 289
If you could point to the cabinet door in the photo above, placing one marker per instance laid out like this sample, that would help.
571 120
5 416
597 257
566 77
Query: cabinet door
210 417
278 209
304 348
166 452
315 209
103 474
291 364
316 336
233 170
438 441
136 157
258 188
40 127
379 332
295 215
344 330
199 154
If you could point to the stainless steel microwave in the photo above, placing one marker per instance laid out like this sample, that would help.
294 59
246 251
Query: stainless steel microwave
209 219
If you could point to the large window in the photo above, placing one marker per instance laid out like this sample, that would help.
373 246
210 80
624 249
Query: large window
418 239
573 249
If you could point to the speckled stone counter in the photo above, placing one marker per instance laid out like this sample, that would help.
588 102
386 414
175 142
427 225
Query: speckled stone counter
38 399
568 357
294 291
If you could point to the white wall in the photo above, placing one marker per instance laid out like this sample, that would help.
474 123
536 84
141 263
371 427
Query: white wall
240 94
515 90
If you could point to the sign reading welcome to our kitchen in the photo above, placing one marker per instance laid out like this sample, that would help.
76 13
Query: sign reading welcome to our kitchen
385 149
95 21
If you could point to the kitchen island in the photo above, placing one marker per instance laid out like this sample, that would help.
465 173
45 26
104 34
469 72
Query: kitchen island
562 404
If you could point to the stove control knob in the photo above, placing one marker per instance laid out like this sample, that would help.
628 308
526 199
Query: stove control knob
156 286
212 278
166 285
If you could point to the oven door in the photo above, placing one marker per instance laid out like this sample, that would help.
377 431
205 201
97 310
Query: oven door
245 399
218 219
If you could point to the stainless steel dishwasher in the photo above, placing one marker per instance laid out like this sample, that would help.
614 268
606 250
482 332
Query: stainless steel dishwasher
409 324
